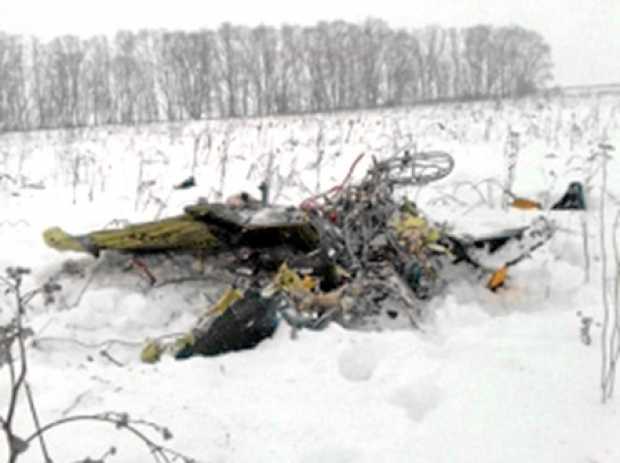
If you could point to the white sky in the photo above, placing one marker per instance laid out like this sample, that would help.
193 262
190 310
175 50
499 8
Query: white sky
584 34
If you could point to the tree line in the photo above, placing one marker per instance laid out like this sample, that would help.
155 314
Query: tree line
233 71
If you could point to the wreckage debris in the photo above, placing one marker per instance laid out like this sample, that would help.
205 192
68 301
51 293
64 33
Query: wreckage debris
573 199
498 278
189 182
525 204
350 255
247 321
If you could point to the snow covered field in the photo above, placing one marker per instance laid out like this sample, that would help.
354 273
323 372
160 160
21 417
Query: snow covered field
494 377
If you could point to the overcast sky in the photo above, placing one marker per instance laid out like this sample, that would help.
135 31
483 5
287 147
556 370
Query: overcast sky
584 34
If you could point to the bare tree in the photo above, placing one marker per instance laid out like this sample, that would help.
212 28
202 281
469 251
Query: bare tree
97 70
477 42
240 71
229 64
13 97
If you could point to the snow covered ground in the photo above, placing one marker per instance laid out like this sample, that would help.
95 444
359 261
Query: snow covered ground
494 377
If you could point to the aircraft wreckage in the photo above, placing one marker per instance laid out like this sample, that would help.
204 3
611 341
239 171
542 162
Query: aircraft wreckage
348 255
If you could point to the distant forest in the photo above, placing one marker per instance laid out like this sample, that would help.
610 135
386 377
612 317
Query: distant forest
235 71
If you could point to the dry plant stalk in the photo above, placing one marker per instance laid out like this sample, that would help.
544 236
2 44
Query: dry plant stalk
13 338
610 351
511 154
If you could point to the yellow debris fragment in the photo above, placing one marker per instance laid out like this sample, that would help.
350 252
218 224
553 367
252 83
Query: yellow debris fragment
225 301
410 222
415 232
498 278
309 283
522 203
151 352
288 280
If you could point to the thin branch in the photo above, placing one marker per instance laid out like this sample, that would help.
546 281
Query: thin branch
606 308
158 452
37 424
18 382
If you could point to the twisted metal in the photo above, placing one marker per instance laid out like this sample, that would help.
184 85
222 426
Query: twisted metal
357 234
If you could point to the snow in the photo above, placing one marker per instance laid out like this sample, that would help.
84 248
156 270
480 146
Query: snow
492 377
